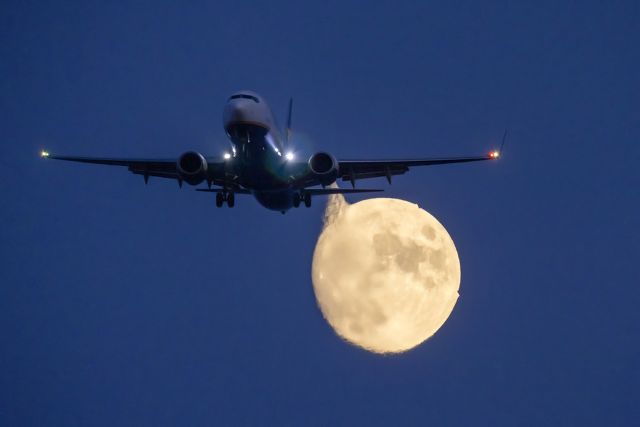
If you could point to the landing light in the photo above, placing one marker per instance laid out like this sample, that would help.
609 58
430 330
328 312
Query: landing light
44 153
227 156
289 156
494 154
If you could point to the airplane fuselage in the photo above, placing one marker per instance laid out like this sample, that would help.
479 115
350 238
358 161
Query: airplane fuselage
258 157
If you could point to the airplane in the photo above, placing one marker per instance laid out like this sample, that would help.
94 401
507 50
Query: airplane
262 164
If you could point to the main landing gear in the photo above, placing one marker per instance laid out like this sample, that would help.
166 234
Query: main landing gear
225 197
304 197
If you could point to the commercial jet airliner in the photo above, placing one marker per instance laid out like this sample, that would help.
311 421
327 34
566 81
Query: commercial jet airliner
260 162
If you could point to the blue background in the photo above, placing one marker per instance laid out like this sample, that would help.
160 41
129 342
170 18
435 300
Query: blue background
122 304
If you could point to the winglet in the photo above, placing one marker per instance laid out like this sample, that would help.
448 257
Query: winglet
497 153
504 138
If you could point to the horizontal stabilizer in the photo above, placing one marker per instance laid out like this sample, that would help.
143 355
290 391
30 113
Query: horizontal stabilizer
321 191
312 191
222 190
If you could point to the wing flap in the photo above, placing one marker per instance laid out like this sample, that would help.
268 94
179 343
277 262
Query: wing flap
155 173
352 170
158 164
160 168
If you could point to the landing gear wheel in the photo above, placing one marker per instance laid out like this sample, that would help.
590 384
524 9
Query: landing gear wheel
231 199
307 199
296 200
219 199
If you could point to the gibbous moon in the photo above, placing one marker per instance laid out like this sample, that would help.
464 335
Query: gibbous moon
385 273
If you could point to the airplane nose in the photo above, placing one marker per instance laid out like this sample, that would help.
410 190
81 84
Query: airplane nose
243 112
235 112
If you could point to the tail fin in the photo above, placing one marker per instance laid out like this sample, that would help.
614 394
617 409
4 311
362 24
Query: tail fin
287 131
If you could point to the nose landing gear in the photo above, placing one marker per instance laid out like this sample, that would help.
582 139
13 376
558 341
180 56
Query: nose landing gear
225 197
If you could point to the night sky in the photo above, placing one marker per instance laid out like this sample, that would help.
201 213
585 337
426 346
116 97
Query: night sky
126 304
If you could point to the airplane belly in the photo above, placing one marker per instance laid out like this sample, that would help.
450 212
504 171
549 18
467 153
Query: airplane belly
275 200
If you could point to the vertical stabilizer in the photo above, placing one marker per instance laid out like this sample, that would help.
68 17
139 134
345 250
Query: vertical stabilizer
287 130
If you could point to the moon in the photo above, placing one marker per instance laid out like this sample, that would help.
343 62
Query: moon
385 273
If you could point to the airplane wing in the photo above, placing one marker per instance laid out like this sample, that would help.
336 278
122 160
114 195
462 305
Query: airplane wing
161 168
352 170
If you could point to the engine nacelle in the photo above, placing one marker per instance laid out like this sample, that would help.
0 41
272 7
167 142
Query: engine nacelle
192 167
324 167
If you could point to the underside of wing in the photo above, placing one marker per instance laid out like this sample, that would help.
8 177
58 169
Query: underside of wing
165 168
352 170
161 168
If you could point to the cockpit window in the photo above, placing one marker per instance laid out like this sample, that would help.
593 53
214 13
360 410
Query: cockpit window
243 96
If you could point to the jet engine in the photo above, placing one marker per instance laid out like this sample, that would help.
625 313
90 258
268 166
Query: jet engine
324 167
192 167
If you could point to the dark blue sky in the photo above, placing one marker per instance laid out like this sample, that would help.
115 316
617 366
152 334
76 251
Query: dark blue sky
122 304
